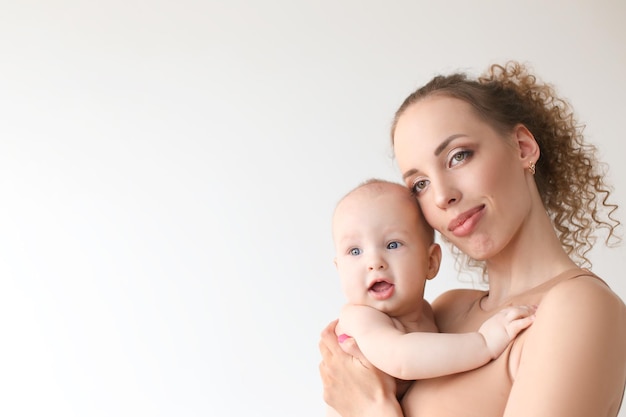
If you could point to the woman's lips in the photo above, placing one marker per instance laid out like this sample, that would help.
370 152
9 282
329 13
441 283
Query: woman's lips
464 224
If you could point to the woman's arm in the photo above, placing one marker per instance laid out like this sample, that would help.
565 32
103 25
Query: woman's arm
352 386
419 355
573 361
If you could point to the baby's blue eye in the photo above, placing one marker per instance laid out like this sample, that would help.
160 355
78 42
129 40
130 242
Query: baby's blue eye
355 251
394 245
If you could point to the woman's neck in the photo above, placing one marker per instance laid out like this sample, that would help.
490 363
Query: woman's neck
533 257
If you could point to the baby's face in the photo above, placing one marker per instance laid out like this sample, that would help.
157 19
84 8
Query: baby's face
382 255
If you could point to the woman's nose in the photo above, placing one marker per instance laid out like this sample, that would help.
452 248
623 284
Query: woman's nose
446 196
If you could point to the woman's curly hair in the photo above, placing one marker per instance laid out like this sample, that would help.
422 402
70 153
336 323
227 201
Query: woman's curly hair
569 177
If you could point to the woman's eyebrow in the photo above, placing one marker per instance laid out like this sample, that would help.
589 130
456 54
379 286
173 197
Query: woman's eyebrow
446 142
437 152
409 173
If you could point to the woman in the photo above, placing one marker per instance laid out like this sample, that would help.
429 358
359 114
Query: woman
499 168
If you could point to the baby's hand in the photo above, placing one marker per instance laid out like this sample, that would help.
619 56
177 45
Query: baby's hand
502 327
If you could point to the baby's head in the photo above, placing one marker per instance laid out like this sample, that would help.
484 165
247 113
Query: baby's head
385 250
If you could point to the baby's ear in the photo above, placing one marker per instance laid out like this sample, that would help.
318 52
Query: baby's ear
434 260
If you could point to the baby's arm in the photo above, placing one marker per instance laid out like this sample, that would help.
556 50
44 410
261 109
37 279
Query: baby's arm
420 355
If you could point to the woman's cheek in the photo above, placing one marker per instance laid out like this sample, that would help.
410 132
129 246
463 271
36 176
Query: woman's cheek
430 216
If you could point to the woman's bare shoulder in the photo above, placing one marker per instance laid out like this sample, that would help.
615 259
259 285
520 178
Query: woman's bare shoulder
578 308
577 344
458 295
580 292
454 303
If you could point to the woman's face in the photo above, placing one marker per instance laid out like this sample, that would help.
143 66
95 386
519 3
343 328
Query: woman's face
468 179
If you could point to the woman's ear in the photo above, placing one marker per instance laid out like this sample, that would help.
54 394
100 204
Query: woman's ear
434 260
527 145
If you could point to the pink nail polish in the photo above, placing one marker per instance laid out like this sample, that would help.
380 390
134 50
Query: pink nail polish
342 338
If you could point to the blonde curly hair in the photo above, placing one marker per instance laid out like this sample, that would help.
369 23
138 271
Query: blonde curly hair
569 177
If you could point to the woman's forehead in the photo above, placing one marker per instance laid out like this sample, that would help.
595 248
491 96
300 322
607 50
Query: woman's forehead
438 113
431 124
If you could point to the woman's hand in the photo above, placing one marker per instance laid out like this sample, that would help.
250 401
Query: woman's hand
352 386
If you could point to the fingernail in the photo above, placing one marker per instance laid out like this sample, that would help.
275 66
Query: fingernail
342 338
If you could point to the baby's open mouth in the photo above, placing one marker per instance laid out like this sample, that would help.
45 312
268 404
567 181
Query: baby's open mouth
381 290
380 286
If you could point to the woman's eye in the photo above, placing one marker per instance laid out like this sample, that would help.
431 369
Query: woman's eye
459 157
419 185
355 251
393 245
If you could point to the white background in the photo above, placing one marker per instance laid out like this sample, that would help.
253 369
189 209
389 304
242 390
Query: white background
168 170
